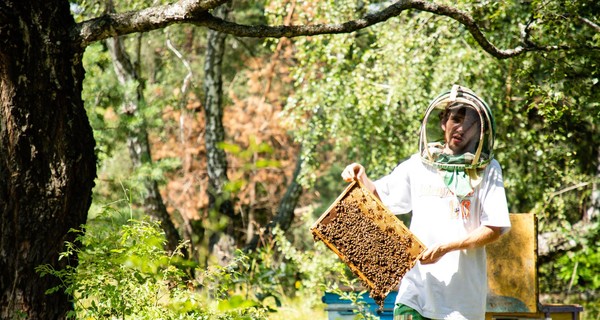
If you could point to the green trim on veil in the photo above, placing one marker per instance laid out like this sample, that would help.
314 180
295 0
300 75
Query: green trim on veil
457 180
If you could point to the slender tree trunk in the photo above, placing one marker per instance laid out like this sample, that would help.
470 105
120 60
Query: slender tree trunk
221 244
47 161
213 108
285 212
137 137
219 201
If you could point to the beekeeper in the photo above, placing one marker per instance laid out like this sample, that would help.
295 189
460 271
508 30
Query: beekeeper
455 191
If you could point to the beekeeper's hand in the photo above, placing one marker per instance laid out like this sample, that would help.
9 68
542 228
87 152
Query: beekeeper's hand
354 171
433 254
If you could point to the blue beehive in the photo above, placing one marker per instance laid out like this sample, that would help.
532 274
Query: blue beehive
342 309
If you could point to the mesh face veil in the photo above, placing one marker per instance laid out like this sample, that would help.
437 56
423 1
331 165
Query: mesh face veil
457 133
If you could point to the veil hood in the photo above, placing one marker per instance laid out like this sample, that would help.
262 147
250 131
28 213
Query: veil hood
431 139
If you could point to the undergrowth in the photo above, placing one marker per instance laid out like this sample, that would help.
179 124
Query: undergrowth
123 272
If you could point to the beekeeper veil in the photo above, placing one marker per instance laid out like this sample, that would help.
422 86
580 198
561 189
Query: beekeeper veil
457 138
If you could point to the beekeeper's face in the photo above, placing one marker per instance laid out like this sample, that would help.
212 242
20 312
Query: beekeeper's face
462 128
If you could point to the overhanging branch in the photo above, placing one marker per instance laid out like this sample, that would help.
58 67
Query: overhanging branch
197 12
118 24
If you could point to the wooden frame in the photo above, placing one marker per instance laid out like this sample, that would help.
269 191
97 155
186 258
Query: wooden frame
372 209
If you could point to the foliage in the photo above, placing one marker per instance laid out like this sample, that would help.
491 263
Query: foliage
103 96
254 157
588 259
366 91
170 63
361 96
576 274
125 273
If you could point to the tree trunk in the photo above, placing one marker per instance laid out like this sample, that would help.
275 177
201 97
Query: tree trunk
213 108
221 244
137 138
285 212
47 161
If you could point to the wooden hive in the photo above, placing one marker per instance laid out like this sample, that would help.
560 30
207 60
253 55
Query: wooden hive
376 246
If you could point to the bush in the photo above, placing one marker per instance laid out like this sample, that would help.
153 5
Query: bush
124 273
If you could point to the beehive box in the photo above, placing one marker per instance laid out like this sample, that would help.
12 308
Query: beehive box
376 246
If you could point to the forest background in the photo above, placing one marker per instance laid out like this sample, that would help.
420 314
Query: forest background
235 145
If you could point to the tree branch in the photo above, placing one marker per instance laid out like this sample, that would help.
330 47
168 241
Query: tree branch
197 12
117 24
589 23
466 20
552 244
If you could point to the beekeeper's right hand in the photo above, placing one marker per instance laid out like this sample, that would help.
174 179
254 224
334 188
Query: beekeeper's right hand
354 171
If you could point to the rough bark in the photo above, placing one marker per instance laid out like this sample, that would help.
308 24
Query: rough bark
47 161
213 108
137 138
222 244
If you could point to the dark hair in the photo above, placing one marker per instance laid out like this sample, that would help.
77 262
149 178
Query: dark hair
445 114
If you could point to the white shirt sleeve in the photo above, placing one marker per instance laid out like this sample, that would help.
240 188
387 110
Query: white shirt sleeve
394 189
493 199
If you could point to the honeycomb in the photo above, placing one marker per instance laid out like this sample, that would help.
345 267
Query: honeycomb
376 246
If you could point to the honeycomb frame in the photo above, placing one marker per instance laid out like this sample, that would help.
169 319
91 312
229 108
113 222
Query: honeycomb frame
378 247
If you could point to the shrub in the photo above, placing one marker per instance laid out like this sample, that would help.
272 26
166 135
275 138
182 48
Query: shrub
124 273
